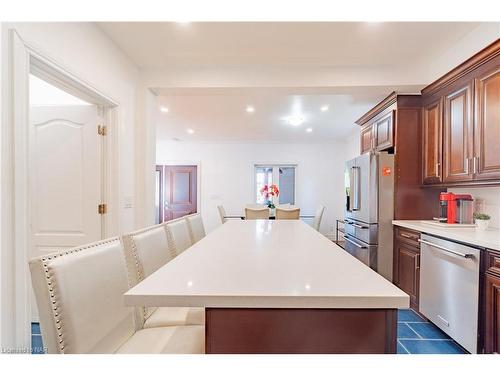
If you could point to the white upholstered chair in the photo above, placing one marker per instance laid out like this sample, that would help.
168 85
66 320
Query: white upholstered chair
146 250
222 214
196 227
287 213
318 217
79 294
256 213
178 235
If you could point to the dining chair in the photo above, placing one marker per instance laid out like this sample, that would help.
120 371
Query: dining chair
255 206
256 213
318 216
222 214
79 294
287 213
146 250
196 227
178 235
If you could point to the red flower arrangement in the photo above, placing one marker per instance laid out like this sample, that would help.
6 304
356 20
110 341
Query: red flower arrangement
269 192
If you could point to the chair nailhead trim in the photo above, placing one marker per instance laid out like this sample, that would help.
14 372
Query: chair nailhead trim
139 270
45 264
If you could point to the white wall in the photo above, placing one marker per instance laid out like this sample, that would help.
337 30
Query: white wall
353 144
226 172
89 55
84 50
486 200
483 35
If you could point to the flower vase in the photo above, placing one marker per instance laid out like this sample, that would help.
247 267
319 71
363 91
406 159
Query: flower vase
272 209
482 225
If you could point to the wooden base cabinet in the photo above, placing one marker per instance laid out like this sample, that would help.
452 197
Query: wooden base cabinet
492 321
407 263
491 305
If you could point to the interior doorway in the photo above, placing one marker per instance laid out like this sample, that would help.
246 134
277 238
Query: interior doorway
65 171
176 191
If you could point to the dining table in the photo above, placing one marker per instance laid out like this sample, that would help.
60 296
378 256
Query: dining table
277 286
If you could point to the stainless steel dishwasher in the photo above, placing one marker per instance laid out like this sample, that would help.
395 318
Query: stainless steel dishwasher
449 288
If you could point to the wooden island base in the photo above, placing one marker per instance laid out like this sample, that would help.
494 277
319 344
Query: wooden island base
300 331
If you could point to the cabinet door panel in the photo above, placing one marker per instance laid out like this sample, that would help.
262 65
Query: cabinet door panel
366 138
408 259
383 132
492 326
487 126
458 133
432 115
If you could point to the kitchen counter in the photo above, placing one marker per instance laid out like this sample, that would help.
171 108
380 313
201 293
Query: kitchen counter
271 264
265 284
489 239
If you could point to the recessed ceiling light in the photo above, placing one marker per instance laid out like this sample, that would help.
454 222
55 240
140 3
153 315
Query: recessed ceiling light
190 131
250 109
324 108
164 109
295 120
309 130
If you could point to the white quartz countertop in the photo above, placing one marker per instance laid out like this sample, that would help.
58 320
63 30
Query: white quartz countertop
489 238
266 264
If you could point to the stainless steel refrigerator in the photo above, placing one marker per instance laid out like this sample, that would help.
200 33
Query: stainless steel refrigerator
369 206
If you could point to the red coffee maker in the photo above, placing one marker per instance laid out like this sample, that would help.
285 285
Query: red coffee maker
456 208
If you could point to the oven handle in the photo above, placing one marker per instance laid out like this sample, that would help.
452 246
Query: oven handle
467 256
355 243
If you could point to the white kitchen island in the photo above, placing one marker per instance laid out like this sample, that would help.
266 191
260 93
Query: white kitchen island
278 287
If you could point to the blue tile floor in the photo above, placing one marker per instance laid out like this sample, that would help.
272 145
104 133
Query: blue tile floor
36 339
415 336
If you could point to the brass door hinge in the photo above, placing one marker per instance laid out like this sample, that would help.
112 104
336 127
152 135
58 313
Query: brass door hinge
101 130
102 208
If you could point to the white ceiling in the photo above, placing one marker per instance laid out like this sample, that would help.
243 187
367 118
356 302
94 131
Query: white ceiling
213 50
159 44
221 116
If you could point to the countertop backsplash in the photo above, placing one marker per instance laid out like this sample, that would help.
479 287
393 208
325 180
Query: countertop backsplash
486 200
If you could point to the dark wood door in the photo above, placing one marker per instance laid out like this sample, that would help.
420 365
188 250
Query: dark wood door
366 136
432 147
458 135
492 322
180 191
487 126
383 132
408 272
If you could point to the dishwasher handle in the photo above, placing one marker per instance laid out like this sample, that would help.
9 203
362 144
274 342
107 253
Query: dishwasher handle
467 256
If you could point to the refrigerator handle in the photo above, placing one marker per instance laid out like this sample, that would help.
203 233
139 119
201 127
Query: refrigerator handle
355 189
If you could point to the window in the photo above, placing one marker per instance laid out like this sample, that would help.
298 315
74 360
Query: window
281 175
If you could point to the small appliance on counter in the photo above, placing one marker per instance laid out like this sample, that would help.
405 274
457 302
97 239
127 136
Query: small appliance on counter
455 209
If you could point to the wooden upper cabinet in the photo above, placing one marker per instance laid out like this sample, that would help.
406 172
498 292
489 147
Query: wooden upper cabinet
458 135
432 138
487 126
383 134
366 136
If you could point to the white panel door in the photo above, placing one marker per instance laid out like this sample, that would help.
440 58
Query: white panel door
65 178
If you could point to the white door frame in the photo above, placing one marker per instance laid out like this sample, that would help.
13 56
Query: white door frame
25 59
